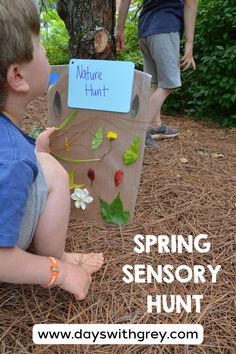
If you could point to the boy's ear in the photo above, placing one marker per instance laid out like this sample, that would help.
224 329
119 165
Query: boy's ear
16 79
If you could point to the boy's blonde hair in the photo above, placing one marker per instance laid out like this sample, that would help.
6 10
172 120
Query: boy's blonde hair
19 20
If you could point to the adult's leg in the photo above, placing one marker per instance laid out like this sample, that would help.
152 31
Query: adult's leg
150 51
161 59
155 103
164 49
150 68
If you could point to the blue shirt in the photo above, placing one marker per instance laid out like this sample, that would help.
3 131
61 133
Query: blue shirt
161 16
18 169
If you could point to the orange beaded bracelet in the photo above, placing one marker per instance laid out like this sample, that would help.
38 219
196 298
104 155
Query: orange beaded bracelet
54 272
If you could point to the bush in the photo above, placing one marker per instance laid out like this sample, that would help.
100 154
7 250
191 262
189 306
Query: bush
54 37
210 92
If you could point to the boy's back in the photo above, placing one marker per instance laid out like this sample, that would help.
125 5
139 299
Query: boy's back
18 169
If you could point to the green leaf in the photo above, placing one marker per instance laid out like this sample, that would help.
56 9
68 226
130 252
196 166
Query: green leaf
67 120
114 212
98 139
220 47
34 133
131 154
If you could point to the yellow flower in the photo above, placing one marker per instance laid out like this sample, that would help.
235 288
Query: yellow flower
111 135
72 184
67 145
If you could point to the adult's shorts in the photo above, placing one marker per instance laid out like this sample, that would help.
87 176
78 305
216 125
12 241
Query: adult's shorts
161 58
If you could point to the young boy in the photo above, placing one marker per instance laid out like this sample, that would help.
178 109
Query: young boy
34 193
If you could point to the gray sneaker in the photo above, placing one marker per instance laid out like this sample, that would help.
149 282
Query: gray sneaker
163 132
150 142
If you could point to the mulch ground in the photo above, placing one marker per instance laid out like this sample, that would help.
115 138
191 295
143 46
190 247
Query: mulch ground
188 186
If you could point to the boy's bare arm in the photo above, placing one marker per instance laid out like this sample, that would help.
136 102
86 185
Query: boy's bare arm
20 267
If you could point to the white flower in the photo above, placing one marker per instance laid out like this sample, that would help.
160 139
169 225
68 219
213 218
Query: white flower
81 198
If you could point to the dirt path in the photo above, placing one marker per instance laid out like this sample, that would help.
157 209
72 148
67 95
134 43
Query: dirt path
188 186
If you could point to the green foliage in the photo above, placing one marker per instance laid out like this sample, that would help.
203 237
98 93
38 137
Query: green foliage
97 139
44 5
114 212
67 120
211 90
131 154
54 37
34 133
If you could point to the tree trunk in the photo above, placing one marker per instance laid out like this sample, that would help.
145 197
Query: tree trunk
90 24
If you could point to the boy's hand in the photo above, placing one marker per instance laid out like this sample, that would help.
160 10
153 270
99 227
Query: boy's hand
75 279
43 140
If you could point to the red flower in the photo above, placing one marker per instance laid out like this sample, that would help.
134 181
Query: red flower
118 177
91 174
